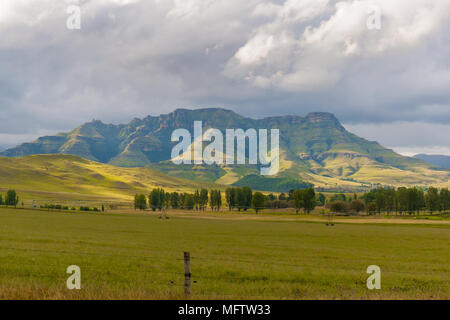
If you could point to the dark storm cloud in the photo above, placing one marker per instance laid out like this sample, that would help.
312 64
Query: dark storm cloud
260 58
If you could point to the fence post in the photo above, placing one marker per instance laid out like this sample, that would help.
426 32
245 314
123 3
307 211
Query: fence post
187 273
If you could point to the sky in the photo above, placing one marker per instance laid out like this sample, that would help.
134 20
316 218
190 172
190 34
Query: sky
381 66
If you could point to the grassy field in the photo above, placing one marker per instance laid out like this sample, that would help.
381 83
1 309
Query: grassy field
138 256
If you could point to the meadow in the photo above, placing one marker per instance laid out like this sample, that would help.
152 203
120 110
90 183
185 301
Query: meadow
127 255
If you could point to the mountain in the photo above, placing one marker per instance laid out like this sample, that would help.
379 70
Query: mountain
66 177
315 149
437 160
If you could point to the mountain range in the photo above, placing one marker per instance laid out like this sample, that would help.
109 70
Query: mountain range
435 159
314 149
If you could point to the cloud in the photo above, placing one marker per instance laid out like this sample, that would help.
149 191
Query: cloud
258 57
408 138
300 49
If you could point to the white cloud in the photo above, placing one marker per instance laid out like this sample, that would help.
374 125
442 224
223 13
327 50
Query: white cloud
300 40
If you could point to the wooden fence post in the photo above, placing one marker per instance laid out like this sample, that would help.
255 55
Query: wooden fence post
187 274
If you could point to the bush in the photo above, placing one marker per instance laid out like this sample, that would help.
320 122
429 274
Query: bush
339 206
357 206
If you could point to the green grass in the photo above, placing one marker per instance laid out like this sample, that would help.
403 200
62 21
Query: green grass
139 256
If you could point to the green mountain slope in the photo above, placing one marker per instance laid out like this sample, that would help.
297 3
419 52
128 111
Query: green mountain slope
315 149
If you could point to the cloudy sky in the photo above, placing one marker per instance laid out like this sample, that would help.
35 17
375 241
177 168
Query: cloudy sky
132 58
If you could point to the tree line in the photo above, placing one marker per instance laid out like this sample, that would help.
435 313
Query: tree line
235 198
393 200
159 199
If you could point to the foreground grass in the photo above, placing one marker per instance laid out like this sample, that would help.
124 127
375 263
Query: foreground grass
131 256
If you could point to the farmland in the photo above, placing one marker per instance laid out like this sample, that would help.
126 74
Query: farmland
128 255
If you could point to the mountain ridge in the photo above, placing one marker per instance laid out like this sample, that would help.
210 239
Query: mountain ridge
435 159
316 149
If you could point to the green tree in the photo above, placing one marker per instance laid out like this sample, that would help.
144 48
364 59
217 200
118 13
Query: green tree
215 200
247 195
402 199
197 200
380 199
415 200
11 199
230 198
339 206
174 200
189 201
240 198
167 197
432 200
162 199
203 199
140 202
258 200
219 200
297 197
357 206
371 207
445 199
390 199
309 199
155 199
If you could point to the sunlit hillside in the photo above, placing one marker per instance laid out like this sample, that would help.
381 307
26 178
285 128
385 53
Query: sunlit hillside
71 177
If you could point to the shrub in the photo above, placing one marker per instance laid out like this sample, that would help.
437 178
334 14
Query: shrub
339 206
357 206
